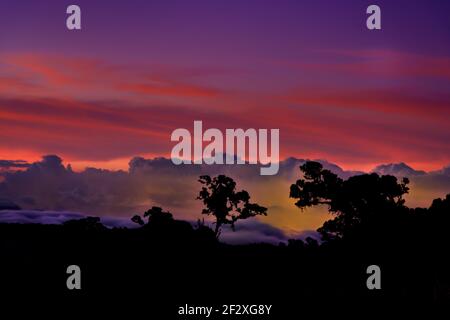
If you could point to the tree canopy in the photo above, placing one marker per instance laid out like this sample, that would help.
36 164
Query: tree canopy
227 205
353 202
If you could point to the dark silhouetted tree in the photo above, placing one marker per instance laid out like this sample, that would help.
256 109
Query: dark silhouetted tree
161 225
155 216
360 200
138 219
88 224
223 202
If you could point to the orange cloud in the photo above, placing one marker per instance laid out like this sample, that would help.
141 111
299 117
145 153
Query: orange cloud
170 89
379 63
44 68
94 111
87 77
383 100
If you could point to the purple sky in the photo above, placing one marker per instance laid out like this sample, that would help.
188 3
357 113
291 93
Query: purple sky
247 63
336 90
140 69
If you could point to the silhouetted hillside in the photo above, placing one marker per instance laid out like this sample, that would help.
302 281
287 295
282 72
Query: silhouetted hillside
168 262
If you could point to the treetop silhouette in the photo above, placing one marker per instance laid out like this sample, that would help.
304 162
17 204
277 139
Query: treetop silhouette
155 216
223 202
354 201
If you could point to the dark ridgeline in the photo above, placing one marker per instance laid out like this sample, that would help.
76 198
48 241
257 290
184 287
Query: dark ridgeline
165 262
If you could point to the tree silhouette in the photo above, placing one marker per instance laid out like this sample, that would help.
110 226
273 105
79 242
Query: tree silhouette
371 225
155 216
223 202
138 219
161 225
88 224
357 201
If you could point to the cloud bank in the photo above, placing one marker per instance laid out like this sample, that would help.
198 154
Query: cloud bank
49 191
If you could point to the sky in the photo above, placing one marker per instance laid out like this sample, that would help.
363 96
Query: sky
137 70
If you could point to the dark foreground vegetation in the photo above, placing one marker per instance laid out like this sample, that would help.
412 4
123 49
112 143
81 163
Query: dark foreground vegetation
165 263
